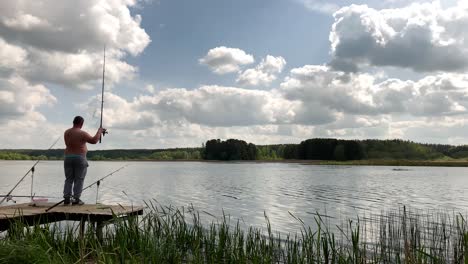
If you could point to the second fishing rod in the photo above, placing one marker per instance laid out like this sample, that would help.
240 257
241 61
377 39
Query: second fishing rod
31 170
97 182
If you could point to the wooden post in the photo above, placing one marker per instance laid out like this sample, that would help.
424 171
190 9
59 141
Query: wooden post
99 227
82 228
82 242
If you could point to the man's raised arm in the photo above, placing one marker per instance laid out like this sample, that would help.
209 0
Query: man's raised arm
95 139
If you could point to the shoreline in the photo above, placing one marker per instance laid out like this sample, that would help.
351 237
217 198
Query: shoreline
401 163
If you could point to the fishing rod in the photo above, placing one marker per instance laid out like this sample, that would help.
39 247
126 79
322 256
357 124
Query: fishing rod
108 175
102 93
98 182
27 196
10 197
26 174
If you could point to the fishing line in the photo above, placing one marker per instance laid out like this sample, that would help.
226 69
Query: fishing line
94 104
26 174
95 116
130 197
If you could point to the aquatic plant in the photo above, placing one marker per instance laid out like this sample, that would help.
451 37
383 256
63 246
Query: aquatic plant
167 234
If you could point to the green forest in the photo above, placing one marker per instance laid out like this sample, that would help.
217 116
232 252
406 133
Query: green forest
324 149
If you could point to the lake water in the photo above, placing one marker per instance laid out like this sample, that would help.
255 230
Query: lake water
246 190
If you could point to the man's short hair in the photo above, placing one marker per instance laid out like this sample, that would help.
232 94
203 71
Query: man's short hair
78 120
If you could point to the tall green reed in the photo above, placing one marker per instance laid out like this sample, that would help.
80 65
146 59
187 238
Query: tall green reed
167 234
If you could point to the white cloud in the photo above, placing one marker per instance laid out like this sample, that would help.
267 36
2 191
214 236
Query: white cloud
222 60
150 88
11 56
329 7
51 42
119 113
361 94
312 101
422 37
219 106
264 73
18 99
81 70
322 6
88 25
24 132
321 89
24 22
45 42
48 41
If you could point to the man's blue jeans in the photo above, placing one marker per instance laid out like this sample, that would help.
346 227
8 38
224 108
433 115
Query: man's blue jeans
75 167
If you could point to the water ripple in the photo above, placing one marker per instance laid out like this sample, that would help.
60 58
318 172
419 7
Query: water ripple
245 191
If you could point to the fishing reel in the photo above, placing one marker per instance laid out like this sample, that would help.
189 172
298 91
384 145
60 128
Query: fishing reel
104 132
10 198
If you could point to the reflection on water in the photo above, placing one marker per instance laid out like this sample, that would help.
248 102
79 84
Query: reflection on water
246 190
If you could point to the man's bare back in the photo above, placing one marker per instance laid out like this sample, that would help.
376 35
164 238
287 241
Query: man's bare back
76 139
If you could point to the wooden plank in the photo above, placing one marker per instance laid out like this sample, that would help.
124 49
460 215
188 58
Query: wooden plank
33 213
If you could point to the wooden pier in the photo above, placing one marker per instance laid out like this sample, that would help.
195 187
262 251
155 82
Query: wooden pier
35 213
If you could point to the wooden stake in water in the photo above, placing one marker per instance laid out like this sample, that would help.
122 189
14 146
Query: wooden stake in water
32 182
97 190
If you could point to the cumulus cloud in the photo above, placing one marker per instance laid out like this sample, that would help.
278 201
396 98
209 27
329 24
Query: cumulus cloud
219 106
423 37
264 73
322 6
48 41
322 88
42 43
11 56
213 106
21 122
89 25
19 98
313 101
222 60
329 7
363 94
119 112
82 70
335 103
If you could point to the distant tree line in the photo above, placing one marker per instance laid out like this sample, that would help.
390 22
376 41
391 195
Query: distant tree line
314 149
113 154
231 149
20 156
234 149
343 150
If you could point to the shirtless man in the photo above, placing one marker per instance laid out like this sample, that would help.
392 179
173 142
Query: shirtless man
75 163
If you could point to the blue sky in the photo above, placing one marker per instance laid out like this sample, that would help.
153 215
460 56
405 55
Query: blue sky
183 31
182 72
